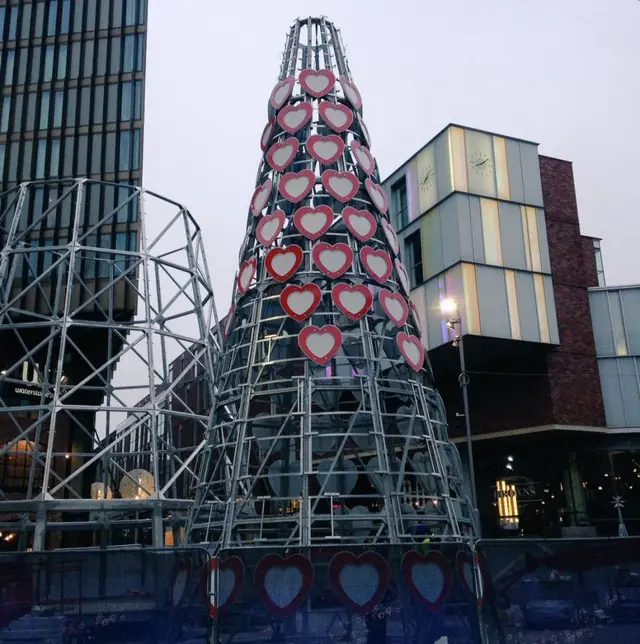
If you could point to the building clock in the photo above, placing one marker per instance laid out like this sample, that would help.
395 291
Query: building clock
427 178
481 163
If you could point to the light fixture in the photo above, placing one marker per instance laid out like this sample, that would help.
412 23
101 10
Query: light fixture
509 466
510 459
448 306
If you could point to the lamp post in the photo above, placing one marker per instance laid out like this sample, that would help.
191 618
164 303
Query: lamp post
449 307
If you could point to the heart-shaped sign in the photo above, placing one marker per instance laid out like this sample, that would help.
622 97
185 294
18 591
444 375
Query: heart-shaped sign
260 197
428 577
266 133
325 149
299 302
269 227
411 349
464 565
403 276
361 223
294 117
313 222
281 154
365 131
320 344
337 116
353 300
359 581
317 82
340 185
377 263
281 92
351 92
363 158
333 260
282 263
246 274
283 584
295 186
394 305
377 195
230 578
392 238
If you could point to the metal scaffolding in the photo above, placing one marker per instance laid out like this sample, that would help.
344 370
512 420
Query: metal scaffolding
103 286
326 425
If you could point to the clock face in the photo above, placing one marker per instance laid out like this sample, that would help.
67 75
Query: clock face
427 178
481 163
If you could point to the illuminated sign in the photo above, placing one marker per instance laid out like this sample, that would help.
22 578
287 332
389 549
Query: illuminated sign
31 377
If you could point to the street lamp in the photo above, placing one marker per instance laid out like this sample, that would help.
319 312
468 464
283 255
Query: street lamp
449 307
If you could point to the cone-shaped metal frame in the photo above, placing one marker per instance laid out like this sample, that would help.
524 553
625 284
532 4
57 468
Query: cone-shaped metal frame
308 450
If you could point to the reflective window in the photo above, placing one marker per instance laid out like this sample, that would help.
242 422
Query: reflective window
8 70
129 158
39 26
76 58
3 11
34 75
133 49
112 102
17 112
41 154
87 67
2 151
13 22
85 105
101 68
23 55
62 61
55 157
31 111
414 259
14 151
72 97
399 203
110 152
64 20
67 163
77 16
114 63
52 17
49 51
133 15
103 23
27 152
96 153
90 20
81 169
126 104
136 150
25 22
57 109
4 113
116 20
98 104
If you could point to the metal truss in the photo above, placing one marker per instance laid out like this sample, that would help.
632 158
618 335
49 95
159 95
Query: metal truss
103 286
300 453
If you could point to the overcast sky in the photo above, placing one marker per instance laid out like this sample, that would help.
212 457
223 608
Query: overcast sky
563 73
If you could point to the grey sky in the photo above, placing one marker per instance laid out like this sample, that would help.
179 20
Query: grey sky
563 73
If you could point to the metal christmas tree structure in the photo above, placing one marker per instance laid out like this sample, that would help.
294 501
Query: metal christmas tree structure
326 427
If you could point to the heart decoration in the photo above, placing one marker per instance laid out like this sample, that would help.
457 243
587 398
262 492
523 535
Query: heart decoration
377 195
392 238
337 116
180 579
282 263
351 92
283 584
317 82
281 154
295 186
353 300
313 222
294 117
325 149
266 133
260 197
246 274
428 577
230 578
464 565
281 92
340 185
403 276
411 349
320 344
359 581
284 478
377 263
299 302
341 480
361 223
394 305
269 227
333 260
363 158
365 131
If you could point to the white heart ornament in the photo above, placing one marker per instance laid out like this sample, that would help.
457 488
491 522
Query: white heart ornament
353 300
295 186
337 116
377 263
377 195
261 197
340 185
269 227
394 305
403 276
391 236
333 260
320 344
266 133
360 223
411 349
313 222
245 274
281 92
317 82
281 154
293 117
351 92
325 149
363 158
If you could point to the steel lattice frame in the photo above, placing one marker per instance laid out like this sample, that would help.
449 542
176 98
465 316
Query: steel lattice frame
303 452
95 324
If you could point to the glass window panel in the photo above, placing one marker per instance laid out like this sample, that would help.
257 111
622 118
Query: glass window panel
8 69
126 111
4 114
124 161
492 300
36 55
631 307
612 393
110 152
47 256
128 58
17 112
76 57
91 15
116 19
2 151
427 182
41 158
62 61
139 51
57 108
96 154
3 12
77 16
413 248
31 111
98 104
87 67
491 231
131 16
101 66
114 62
450 233
551 310
630 393
104 15
511 236
531 174
14 151
527 309
432 243
27 155
112 102
512 300
40 24
601 318
501 168
137 112
52 17
458 158
541 305
26 22
399 203
13 22
104 269
64 19
72 98
471 319
67 169
514 170
480 163
120 260
23 56
85 105
55 157
48 63
619 335
81 152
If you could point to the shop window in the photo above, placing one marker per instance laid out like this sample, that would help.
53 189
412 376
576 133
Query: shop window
15 467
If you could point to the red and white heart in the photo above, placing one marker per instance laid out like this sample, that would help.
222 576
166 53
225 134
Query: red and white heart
320 344
403 276
325 149
269 227
281 154
377 194
246 274
313 222
392 238
260 197
294 117
340 185
230 578
365 131
266 133
351 92
466 573
377 263
363 158
317 82
411 349
360 223
295 186
282 263
333 260
428 577
337 116
299 302
354 300
281 92
283 584
394 305
359 581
